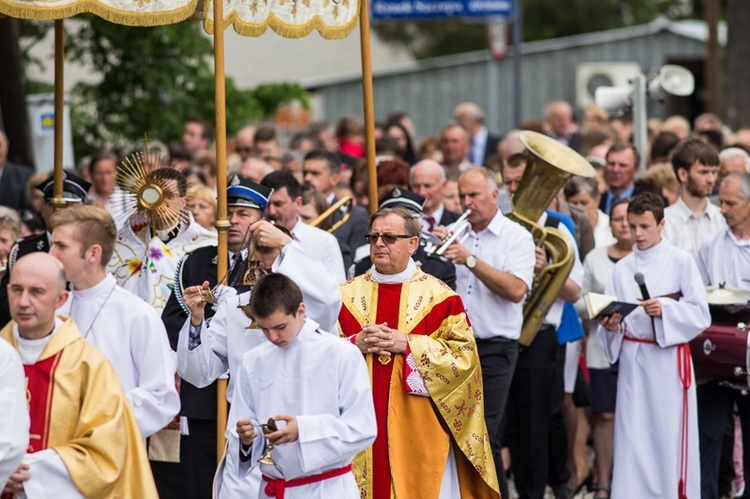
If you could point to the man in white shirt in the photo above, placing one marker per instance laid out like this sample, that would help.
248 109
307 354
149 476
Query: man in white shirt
127 330
283 208
494 271
725 259
692 219
322 433
427 178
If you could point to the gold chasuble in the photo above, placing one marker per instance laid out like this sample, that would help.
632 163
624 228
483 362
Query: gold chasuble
78 408
415 432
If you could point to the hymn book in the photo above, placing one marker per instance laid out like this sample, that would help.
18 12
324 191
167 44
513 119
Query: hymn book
598 306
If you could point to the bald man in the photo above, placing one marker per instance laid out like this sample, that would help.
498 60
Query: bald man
427 178
483 143
84 440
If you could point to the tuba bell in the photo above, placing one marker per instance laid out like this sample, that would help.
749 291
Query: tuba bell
549 166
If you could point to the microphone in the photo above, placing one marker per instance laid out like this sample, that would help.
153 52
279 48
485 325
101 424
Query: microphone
642 285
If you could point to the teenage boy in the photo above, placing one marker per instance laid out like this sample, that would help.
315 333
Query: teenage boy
317 388
126 329
656 425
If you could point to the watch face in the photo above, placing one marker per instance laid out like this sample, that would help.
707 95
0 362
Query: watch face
471 262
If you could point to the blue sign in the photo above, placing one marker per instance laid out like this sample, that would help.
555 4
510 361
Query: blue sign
432 9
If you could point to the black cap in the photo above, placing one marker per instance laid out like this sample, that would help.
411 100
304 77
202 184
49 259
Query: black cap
245 192
75 188
404 198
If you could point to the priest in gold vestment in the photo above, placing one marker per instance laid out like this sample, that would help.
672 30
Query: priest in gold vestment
83 439
432 440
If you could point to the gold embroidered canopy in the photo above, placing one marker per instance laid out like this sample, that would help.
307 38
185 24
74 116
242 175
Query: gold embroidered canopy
128 12
334 19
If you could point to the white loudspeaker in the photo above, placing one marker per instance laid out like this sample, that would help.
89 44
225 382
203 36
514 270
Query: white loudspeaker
672 80
614 100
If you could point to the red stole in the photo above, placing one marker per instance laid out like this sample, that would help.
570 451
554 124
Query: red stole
40 385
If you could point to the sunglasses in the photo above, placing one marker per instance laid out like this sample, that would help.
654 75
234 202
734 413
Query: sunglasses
387 238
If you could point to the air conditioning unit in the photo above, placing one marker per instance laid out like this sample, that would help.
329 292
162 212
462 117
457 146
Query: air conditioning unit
589 76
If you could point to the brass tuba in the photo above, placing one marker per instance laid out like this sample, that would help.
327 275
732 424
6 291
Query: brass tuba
549 166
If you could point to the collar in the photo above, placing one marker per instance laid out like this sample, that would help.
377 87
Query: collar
684 211
403 276
652 252
735 241
481 135
496 224
331 198
437 214
101 289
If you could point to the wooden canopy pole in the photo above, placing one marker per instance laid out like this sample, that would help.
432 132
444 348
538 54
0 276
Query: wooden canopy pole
222 224
57 199
367 93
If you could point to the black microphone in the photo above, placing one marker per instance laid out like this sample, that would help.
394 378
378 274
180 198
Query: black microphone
642 285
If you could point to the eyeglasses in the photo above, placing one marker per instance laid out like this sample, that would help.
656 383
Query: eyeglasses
387 238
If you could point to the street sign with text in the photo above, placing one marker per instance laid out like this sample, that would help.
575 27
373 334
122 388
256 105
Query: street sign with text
432 9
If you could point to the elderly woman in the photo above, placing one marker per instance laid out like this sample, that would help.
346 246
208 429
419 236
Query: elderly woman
597 269
584 192
202 204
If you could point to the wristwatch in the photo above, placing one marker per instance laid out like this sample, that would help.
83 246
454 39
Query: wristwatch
471 262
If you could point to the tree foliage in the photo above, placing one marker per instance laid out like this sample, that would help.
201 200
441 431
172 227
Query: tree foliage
543 19
150 81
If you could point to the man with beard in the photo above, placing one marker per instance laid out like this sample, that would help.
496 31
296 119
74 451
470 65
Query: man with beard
692 219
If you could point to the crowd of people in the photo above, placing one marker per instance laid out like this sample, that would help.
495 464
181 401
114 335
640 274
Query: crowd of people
376 355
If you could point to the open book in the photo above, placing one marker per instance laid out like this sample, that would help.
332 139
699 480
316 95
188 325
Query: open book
599 306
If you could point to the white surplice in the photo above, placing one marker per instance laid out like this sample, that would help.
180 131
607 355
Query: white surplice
321 380
321 245
649 413
227 338
14 423
130 333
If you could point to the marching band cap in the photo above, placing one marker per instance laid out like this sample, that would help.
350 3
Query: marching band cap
245 192
402 197
74 188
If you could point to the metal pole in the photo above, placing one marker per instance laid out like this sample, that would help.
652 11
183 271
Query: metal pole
369 107
57 200
640 118
222 224
517 88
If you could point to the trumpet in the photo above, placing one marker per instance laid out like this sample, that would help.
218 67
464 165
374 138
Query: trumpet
459 232
344 204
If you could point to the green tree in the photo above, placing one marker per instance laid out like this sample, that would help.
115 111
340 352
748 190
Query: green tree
543 19
150 81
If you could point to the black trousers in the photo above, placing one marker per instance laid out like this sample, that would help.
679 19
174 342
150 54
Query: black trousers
193 476
530 404
497 357
714 411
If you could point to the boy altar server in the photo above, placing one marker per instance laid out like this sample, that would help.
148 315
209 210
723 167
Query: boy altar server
315 383
656 425
126 329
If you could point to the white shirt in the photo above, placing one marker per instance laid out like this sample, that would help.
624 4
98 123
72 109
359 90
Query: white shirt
334 424
14 423
130 333
688 232
478 145
436 215
724 259
227 338
505 246
603 232
597 269
554 316
321 245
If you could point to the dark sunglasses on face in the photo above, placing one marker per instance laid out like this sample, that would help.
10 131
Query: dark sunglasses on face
387 238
